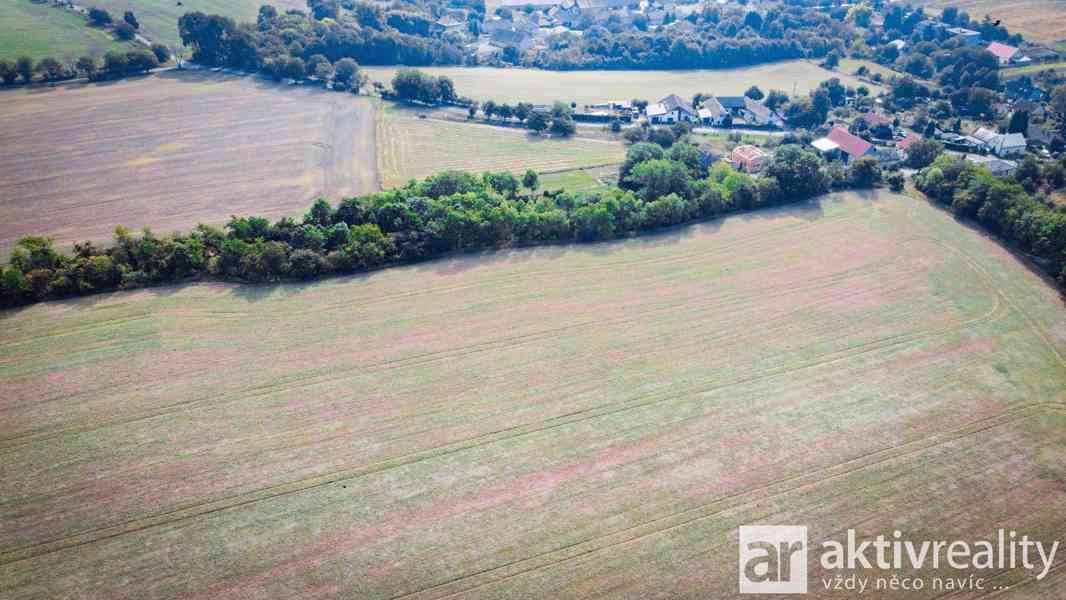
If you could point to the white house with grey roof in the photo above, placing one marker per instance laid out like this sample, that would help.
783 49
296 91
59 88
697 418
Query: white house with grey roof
671 109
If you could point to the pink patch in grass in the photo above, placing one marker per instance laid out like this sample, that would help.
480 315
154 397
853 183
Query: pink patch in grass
362 537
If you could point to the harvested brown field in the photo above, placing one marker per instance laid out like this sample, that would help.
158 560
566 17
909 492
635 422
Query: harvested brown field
1037 20
173 150
556 422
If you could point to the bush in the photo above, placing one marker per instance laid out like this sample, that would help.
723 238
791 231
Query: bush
99 17
125 32
161 52
895 181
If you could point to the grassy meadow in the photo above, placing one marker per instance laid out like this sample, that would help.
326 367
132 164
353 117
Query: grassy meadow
159 18
410 147
40 30
556 422
587 87
576 180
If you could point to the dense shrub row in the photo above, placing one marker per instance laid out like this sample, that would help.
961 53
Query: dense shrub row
1002 206
447 212
115 65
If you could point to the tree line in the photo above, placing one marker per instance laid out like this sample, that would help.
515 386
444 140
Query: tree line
115 64
1004 207
451 211
279 43
718 36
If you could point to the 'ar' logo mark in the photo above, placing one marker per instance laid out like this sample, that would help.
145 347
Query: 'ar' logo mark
773 559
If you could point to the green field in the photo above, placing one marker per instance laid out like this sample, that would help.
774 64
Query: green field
43 30
410 147
850 65
159 18
1031 69
40 30
586 87
560 422
576 180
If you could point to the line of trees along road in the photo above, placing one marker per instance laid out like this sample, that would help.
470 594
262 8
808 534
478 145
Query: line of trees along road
450 211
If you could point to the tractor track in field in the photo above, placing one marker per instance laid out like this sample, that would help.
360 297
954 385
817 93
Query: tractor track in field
201 509
718 506
740 243
630 534
682 307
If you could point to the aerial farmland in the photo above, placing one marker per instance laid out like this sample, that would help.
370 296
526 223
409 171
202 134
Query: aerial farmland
549 300
400 422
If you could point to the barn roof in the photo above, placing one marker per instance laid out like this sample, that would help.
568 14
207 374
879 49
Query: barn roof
852 145
1002 51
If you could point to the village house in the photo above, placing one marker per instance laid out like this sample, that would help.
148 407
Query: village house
1009 145
750 111
671 109
929 28
1041 54
1002 145
1007 55
826 148
748 158
850 146
998 166
712 113
449 24
969 36
905 144
1036 110
961 143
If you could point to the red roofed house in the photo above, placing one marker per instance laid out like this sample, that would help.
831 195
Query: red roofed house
907 141
905 144
850 145
1006 54
748 158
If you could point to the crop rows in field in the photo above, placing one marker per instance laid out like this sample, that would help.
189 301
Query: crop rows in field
550 422
172 150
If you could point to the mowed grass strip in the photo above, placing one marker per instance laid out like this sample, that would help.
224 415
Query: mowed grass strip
410 147
173 150
586 87
576 180
543 422
1030 69
38 30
